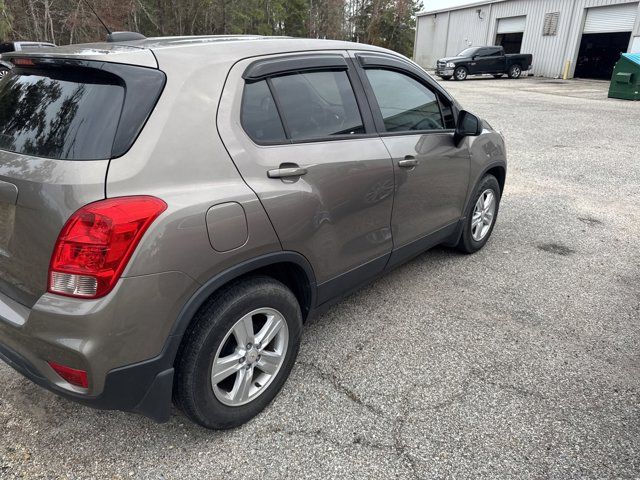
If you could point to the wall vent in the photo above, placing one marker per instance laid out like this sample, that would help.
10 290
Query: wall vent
550 27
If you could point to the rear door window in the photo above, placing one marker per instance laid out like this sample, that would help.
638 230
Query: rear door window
317 105
259 115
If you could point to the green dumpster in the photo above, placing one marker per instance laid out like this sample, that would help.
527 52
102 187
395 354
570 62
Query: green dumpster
625 82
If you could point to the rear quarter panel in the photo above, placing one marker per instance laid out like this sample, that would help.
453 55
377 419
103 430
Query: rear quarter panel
179 158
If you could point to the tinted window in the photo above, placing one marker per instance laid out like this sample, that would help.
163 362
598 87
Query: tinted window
57 117
405 103
259 115
318 105
489 52
469 52
6 47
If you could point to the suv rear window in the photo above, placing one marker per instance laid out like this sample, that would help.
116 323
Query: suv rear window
60 118
89 112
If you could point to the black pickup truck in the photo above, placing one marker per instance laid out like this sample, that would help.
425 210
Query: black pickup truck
479 60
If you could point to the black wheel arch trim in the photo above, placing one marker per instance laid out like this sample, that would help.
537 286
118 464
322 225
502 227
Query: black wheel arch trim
491 166
237 271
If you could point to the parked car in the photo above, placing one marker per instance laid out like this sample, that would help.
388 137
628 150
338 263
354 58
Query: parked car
171 242
481 60
5 67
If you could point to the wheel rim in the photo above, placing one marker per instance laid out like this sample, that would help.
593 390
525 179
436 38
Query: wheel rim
483 215
516 71
2 74
250 357
461 74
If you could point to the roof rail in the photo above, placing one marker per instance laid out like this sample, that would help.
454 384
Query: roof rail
124 37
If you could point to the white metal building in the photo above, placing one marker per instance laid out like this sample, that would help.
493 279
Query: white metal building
590 34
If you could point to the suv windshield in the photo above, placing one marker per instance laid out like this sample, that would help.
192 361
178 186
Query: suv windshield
469 52
61 117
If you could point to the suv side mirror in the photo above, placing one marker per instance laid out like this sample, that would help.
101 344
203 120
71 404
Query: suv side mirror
468 126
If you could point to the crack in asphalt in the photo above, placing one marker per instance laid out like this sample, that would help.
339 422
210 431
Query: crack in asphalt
398 448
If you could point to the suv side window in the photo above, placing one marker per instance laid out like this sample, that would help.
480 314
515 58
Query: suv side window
317 104
259 115
406 104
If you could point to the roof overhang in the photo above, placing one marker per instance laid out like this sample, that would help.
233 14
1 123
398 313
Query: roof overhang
459 7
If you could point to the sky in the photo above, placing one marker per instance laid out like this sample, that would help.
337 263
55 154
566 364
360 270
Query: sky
438 4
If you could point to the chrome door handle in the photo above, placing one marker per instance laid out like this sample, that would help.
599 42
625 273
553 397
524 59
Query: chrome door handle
408 162
287 172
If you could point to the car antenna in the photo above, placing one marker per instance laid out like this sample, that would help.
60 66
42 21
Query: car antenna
98 17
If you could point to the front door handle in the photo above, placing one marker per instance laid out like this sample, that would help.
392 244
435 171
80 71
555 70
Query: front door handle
408 162
287 172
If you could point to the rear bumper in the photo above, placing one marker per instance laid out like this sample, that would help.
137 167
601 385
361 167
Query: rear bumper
143 388
123 341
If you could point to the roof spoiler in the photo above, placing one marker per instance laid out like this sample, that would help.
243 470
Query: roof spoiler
124 37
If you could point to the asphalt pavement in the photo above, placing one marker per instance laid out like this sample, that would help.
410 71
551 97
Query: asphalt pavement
521 361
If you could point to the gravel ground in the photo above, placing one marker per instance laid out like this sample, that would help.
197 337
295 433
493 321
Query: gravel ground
521 361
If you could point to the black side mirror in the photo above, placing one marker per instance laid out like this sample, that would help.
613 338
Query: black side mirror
468 126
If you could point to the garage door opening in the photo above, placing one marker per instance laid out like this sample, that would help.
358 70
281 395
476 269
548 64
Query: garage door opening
599 53
512 42
509 33
606 34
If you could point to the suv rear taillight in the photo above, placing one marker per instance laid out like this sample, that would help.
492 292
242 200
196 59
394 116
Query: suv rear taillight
96 243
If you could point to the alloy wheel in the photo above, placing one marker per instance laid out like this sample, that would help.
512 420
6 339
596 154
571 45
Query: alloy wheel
483 215
461 74
249 357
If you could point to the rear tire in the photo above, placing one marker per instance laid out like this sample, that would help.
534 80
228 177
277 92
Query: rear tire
215 337
515 71
460 74
474 237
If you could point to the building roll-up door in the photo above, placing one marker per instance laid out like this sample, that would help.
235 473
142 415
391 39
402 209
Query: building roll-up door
511 24
614 18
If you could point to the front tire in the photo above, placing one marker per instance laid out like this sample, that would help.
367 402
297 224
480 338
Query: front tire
481 215
515 71
239 353
460 73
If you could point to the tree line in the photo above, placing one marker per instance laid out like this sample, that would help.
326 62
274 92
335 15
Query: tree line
387 23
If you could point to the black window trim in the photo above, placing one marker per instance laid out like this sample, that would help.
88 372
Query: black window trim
256 71
271 67
388 62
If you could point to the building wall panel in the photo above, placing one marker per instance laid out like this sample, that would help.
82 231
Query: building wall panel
464 27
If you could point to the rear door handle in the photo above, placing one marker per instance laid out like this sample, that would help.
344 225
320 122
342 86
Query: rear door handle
408 162
287 172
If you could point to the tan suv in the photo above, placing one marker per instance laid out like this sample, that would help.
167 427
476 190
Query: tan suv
173 210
